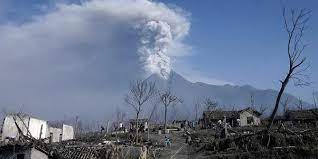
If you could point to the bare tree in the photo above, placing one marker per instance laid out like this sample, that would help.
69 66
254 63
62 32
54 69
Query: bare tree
168 99
285 105
210 104
139 93
295 25
252 100
120 116
300 104
76 126
315 98
197 108
262 109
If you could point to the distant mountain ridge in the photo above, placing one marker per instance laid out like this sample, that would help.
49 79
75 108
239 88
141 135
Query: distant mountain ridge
230 96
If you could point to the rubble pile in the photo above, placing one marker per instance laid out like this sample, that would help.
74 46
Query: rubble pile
88 146
281 143
97 152
98 149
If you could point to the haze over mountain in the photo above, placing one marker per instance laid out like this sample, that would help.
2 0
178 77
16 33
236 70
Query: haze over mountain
60 59
227 96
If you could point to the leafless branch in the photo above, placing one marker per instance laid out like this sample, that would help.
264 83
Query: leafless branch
140 92
210 104
168 99
295 25
300 105
285 105
197 108
262 109
315 98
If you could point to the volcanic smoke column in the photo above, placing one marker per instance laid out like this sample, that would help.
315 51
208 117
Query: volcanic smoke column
156 39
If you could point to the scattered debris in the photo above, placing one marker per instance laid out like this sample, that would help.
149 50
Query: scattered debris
244 117
221 141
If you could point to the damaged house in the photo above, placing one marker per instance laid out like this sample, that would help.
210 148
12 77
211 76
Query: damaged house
308 117
60 132
33 127
244 117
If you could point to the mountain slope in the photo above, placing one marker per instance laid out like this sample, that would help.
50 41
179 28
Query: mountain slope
227 96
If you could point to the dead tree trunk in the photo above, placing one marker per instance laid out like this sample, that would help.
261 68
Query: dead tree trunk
137 127
165 125
280 93
314 98
295 26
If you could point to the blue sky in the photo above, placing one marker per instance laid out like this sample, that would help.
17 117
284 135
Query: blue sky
238 42
243 42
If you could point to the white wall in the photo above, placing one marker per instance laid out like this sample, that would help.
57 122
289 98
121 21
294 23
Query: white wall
34 125
25 123
56 134
9 128
243 118
36 154
68 132
35 128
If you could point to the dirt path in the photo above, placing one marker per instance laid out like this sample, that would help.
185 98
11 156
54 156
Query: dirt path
178 148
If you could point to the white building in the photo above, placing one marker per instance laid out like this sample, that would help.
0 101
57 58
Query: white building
67 132
38 129
28 125
55 134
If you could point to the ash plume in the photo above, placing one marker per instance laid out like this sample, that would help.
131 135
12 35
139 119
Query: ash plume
160 30
77 55
155 42
157 37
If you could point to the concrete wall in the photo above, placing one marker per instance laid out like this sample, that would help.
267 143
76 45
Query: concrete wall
9 128
56 132
36 154
68 132
38 127
243 118
25 123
